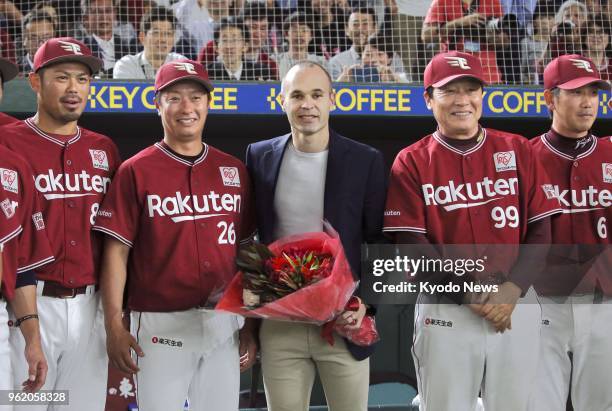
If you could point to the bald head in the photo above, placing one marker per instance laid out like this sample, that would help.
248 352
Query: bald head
301 68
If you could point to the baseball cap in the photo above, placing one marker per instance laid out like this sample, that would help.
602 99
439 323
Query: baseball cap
572 71
65 49
8 70
446 67
179 70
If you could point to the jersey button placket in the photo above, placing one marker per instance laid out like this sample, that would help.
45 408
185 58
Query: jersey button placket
467 165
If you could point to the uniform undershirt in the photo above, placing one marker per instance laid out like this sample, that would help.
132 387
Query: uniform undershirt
462 145
572 147
300 191
191 159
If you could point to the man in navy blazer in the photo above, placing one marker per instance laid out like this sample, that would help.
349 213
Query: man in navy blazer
299 180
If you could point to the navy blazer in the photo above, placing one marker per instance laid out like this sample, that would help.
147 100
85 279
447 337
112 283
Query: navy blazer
354 200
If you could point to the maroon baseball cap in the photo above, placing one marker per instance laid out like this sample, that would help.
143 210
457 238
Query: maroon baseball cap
572 71
8 70
446 67
180 70
65 49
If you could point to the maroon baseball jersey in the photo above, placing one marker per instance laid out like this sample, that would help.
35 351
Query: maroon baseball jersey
485 195
6 119
72 173
20 201
183 222
583 187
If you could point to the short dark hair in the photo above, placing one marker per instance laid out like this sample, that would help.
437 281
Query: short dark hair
157 14
380 43
296 18
364 10
235 22
594 21
36 16
255 11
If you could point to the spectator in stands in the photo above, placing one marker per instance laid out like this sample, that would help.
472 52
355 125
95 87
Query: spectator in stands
564 39
98 23
522 9
38 27
231 38
596 45
329 20
360 27
375 65
298 32
157 31
466 26
261 45
198 18
533 47
594 7
572 11
510 34
408 17
10 14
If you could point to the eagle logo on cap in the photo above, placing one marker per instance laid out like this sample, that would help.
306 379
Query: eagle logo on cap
458 62
71 47
188 67
582 64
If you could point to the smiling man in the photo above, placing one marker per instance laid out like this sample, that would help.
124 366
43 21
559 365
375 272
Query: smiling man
576 287
300 179
174 218
72 168
501 203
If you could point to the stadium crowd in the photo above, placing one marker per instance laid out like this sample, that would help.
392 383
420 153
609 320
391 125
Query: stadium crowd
356 40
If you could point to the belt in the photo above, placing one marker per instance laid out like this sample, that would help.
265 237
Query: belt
55 290
1 297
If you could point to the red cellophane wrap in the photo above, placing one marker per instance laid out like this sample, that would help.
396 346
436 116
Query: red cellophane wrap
317 303
365 335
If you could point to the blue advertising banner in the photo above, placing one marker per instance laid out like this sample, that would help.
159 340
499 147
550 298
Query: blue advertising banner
365 100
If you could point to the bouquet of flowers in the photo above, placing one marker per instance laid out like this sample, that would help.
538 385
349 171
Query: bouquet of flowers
299 278
303 278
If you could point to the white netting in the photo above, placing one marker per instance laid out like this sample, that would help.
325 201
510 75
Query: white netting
356 40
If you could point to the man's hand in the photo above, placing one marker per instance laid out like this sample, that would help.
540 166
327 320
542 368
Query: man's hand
247 348
119 342
475 20
351 320
37 367
500 305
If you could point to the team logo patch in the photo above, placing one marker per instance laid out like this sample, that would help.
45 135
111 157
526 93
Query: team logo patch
7 208
230 176
39 223
167 341
582 64
504 161
458 62
439 323
99 159
549 191
188 67
71 47
607 172
9 179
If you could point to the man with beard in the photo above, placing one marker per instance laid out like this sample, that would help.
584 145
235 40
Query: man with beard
72 169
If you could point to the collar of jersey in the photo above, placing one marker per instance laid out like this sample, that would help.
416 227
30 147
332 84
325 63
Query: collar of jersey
562 154
437 137
30 123
180 160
